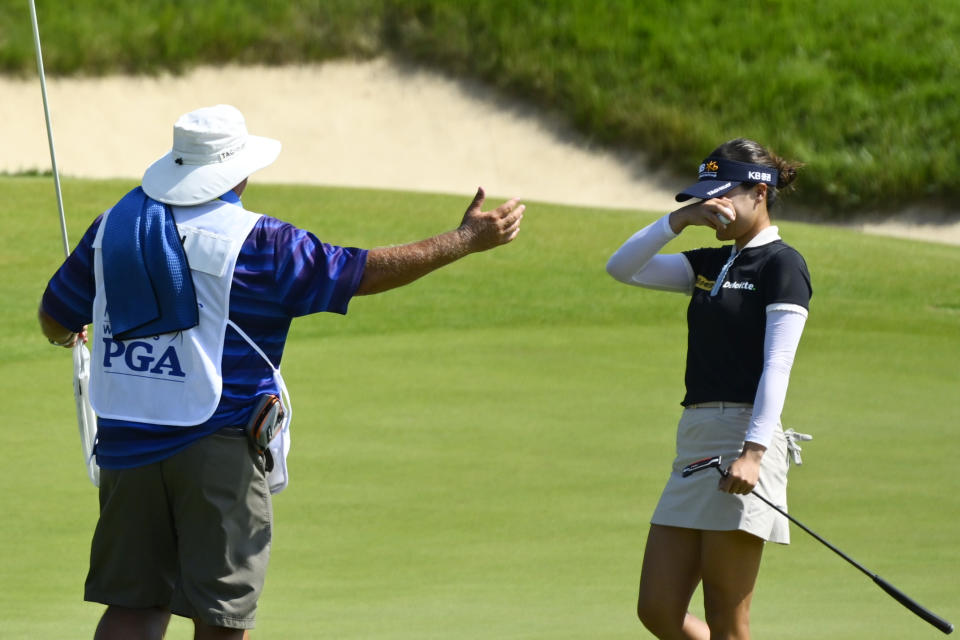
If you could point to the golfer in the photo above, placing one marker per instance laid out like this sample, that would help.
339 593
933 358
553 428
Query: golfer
191 297
748 305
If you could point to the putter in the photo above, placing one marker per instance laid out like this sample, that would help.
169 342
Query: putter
899 596
86 418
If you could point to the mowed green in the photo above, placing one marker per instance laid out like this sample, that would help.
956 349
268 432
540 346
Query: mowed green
476 455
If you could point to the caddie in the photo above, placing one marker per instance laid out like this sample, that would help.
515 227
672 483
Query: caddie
190 296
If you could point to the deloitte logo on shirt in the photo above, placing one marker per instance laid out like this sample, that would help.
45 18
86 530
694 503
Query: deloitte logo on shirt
745 286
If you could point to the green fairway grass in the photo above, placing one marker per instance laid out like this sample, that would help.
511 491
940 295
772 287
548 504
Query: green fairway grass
477 455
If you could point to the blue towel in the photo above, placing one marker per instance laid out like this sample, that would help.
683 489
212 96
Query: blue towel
146 277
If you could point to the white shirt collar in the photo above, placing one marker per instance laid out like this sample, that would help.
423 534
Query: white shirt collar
768 235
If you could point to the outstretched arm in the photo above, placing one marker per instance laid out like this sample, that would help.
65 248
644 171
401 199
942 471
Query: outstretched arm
391 267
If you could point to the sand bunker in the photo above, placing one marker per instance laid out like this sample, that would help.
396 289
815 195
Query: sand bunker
365 124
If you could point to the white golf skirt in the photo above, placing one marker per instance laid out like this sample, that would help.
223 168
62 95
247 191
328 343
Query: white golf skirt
695 502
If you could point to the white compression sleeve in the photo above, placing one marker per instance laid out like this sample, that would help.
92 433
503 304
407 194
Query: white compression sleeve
638 264
784 327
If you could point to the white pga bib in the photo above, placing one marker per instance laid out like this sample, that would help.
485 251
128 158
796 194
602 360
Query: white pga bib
175 378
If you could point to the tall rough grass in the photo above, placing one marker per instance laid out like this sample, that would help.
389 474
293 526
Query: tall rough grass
862 91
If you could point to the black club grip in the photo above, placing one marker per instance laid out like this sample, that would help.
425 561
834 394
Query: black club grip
914 606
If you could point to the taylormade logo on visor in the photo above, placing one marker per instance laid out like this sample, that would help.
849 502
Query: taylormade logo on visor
722 187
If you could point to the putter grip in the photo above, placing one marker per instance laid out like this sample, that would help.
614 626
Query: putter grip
914 606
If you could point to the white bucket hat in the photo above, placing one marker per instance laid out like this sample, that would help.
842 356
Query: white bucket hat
212 153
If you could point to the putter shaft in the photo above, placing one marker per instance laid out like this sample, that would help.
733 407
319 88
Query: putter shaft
943 625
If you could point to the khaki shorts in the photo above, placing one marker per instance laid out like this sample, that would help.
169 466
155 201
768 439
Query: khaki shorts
190 533
695 502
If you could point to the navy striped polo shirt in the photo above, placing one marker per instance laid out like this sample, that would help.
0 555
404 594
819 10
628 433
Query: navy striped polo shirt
282 272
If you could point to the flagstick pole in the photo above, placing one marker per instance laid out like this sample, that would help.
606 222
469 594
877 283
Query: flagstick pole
46 114
86 418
